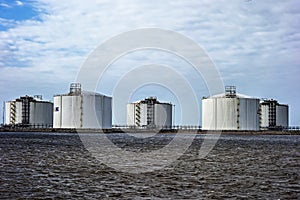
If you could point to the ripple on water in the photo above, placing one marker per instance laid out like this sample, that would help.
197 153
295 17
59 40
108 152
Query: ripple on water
43 165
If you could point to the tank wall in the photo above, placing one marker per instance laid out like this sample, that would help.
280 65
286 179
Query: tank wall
264 117
67 112
130 114
94 116
219 114
96 112
282 115
7 112
18 112
41 113
107 113
57 112
71 112
248 114
208 114
163 115
226 109
91 106
230 114
143 118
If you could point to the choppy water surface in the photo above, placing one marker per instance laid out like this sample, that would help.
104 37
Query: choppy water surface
46 165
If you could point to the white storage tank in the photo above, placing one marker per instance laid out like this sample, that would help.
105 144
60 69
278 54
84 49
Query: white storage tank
82 109
29 111
273 114
230 111
149 113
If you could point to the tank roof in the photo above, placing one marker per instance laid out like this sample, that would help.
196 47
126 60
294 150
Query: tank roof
150 100
230 92
236 95
83 92
76 90
35 98
271 101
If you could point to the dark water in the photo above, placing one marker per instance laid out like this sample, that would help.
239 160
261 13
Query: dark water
45 165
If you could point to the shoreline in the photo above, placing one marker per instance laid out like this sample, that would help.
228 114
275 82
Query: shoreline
174 131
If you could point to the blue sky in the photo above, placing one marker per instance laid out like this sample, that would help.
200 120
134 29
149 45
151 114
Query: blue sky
254 44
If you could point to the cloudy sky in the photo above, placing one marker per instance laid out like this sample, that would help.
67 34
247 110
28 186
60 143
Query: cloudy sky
253 44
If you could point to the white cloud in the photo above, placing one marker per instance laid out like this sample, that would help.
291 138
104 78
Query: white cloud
5 5
19 3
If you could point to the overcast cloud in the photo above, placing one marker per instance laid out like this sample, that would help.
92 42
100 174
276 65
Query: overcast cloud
254 44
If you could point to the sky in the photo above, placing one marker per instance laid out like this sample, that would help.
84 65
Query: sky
255 45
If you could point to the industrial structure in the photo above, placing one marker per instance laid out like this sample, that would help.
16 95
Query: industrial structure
230 111
29 112
273 115
82 109
149 113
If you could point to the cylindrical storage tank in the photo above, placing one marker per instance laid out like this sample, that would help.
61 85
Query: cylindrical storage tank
234 112
149 113
27 111
273 114
85 110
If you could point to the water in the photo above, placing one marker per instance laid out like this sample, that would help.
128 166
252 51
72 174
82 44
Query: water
56 165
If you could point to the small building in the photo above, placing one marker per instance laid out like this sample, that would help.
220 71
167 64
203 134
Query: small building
273 114
230 111
149 113
82 109
29 111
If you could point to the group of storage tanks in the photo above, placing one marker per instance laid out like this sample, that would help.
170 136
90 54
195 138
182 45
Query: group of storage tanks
232 111
76 109
82 109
